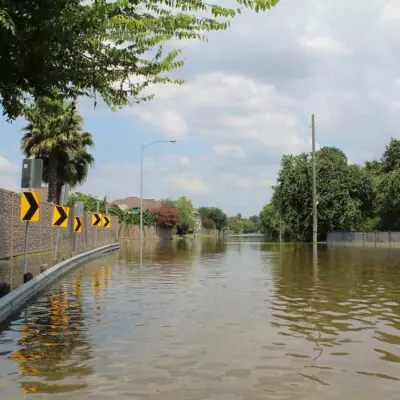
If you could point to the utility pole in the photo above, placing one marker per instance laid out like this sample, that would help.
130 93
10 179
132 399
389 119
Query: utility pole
314 188
141 197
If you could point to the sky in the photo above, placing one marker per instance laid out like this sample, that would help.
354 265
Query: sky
247 100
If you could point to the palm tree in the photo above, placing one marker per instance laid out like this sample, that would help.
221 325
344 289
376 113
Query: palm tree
54 133
73 168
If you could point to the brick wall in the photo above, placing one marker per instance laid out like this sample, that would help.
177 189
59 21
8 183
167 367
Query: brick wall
42 235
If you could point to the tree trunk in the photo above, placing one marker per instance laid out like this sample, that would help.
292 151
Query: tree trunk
52 172
58 192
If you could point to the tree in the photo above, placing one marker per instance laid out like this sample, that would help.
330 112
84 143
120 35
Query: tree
345 193
90 203
390 160
255 219
165 216
269 221
292 196
185 210
389 202
215 214
73 169
204 211
236 223
249 226
54 133
127 217
111 48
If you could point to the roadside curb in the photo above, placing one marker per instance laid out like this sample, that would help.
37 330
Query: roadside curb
12 302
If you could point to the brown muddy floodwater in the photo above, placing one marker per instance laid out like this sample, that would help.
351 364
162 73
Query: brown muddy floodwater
212 320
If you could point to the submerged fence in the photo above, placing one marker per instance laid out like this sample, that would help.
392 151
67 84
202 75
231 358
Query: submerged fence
364 239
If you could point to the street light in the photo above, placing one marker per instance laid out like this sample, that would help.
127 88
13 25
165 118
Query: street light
141 182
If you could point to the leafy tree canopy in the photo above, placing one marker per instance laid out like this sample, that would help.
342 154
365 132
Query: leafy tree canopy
215 214
344 193
113 49
269 221
350 197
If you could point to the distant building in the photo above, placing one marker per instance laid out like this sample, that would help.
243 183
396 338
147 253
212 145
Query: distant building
134 202
198 226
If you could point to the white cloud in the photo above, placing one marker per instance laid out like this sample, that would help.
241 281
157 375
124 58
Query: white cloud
167 122
8 174
7 167
181 161
391 11
226 149
168 177
323 44
189 182
237 115
236 180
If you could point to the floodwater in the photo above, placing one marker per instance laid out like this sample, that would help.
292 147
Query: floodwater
215 320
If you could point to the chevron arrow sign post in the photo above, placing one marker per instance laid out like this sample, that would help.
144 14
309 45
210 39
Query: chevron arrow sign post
78 224
97 219
30 206
106 221
60 216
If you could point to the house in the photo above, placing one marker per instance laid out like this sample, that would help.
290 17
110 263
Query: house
134 202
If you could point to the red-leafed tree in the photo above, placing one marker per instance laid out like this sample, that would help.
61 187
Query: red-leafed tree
165 215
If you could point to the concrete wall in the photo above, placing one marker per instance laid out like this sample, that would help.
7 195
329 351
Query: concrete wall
150 232
128 231
42 235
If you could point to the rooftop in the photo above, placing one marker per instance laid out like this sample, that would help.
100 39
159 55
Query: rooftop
134 202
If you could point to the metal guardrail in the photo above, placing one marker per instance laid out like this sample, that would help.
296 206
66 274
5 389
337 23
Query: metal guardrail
12 302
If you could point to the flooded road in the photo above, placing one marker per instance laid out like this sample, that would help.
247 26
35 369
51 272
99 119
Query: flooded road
212 320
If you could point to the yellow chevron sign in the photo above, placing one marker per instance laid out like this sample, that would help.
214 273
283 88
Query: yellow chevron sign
97 219
60 216
78 222
30 206
106 221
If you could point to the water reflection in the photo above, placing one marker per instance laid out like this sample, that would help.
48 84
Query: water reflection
213 319
171 251
53 344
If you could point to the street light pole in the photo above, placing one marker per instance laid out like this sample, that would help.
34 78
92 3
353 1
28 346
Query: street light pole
143 146
314 187
141 196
